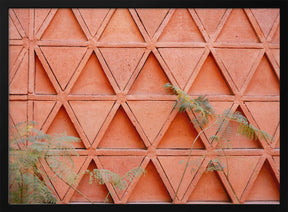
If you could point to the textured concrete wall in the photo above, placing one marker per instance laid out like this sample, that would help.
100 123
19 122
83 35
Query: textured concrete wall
98 74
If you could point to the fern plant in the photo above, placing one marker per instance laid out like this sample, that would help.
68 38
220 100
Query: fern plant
204 115
29 146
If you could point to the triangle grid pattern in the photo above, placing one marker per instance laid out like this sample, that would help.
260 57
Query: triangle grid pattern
98 74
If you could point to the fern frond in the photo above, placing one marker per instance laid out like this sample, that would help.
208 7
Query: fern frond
200 105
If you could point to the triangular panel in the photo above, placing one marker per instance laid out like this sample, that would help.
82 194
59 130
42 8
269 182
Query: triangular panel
59 185
40 16
180 134
92 79
150 187
63 61
266 114
265 18
151 115
14 52
122 62
121 133
210 18
19 84
239 170
181 62
23 15
41 111
121 165
174 167
209 80
42 84
265 187
64 26
93 18
13 32
152 18
91 115
62 123
209 188
181 28
238 28
94 191
238 62
264 80
238 140
121 28
18 111
151 78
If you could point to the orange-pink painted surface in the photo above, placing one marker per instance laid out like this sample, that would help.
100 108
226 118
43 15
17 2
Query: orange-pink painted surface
98 74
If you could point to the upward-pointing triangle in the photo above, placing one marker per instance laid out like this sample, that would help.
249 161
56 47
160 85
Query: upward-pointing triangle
64 26
92 79
181 28
209 80
121 28
237 28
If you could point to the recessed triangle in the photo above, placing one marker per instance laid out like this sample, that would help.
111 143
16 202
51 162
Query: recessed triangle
238 141
121 165
264 80
150 187
63 61
180 134
122 62
59 185
62 123
92 79
18 111
265 187
91 115
174 167
265 18
238 62
276 37
151 78
209 188
121 133
121 28
152 18
19 84
181 62
181 28
210 80
93 18
266 114
14 52
13 32
41 111
219 108
57 31
210 18
40 16
239 171
151 115
94 191
23 15
42 84
237 28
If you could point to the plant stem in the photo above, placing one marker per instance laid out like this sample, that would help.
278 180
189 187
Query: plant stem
189 156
